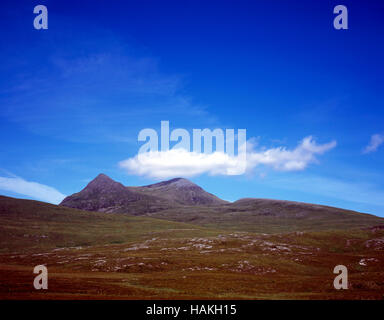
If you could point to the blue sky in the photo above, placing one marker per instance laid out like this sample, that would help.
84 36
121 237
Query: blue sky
73 98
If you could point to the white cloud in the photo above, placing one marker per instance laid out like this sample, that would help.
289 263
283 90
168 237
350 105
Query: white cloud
376 141
31 189
282 159
180 162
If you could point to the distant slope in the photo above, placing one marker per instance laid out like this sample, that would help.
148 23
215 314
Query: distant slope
291 209
271 216
33 225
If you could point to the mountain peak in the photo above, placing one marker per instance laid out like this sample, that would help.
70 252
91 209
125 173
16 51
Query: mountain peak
102 182
182 191
176 182
182 183
101 194
102 176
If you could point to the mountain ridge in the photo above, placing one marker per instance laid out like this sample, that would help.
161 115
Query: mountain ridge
181 200
106 195
270 220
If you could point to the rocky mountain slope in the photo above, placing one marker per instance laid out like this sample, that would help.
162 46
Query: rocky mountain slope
180 191
106 195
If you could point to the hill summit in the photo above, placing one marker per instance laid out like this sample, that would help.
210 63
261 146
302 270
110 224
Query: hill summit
182 191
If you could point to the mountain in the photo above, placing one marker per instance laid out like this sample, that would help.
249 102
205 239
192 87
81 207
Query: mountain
106 195
183 201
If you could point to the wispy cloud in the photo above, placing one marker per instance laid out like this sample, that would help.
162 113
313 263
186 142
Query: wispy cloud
113 93
376 141
31 189
180 162
282 159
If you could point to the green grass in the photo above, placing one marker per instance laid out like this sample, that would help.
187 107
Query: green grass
244 219
26 225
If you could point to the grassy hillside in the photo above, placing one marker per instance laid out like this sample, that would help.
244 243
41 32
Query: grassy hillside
28 224
271 216
93 255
